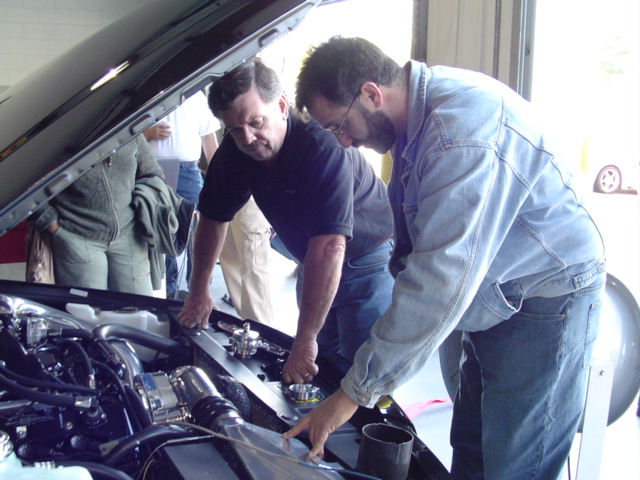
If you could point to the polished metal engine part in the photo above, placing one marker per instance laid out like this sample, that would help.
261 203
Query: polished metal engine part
244 341
303 392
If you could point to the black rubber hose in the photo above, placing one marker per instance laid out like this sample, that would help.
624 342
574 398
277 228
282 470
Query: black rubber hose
234 391
34 382
136 403
123 393
97 470
36 396
76 333
140 337
159 433
85 361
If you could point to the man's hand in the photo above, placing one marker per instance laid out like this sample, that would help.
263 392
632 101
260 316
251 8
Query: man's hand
196 310
323 420
160 131
300 366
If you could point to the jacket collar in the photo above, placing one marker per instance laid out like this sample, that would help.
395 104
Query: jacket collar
419 76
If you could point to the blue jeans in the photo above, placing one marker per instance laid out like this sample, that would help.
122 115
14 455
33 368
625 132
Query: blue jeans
278 246
522 389
363 295
189 186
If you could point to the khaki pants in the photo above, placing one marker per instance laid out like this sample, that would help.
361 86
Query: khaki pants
245 264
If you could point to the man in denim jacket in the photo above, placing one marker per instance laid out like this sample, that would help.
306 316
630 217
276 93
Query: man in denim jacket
492 239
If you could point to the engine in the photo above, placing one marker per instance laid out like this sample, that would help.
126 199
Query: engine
83 394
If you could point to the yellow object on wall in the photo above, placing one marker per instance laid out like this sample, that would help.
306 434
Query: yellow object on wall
385 167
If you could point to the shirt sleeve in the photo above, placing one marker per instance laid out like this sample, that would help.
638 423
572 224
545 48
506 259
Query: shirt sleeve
147 163
466 202
226 185
43 217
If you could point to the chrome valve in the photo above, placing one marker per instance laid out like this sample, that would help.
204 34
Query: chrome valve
244 341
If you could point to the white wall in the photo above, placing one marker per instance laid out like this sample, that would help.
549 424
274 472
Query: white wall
32 32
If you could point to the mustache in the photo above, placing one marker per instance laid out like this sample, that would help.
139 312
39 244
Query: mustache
252 146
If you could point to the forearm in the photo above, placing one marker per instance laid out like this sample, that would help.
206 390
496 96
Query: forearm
322 272
209 146
207 244
208 241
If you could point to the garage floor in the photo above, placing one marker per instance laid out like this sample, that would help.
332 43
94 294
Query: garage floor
425 398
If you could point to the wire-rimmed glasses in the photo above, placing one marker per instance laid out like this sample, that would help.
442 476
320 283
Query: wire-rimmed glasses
339 130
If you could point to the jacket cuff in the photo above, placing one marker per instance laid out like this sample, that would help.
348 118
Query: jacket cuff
41 219
356 392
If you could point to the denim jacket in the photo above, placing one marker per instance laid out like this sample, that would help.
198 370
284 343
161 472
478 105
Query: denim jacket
485 216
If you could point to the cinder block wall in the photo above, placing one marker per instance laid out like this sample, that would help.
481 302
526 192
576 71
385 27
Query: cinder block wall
32 32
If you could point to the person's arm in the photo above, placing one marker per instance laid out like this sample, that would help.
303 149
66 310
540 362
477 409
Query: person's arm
209 146
322 271
160 131
323 420
209 238
443 272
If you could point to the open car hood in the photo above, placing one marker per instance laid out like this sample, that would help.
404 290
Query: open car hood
91 100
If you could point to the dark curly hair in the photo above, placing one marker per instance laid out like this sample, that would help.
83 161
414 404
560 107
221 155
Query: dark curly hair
336 68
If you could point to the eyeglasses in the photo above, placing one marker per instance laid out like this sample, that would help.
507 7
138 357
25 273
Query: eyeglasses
339 130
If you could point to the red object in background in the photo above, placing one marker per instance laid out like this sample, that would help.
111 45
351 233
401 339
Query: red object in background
414 409
12 244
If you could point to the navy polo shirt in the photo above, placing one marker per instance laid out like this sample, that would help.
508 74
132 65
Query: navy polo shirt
314 187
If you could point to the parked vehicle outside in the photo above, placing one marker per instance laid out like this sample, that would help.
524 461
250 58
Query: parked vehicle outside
620 175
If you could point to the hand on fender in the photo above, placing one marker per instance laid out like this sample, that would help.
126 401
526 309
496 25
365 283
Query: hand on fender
323 420
196 310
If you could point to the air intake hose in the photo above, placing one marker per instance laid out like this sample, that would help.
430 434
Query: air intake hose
207 406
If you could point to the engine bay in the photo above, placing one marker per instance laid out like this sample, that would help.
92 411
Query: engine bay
83 392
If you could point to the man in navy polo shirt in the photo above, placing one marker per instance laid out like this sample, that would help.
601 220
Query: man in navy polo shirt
325 203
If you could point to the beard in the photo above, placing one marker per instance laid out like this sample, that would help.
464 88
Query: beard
381 136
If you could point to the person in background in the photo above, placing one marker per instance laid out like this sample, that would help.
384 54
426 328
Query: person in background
188 133
94 242
325 203
492 238
245 260
185 133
